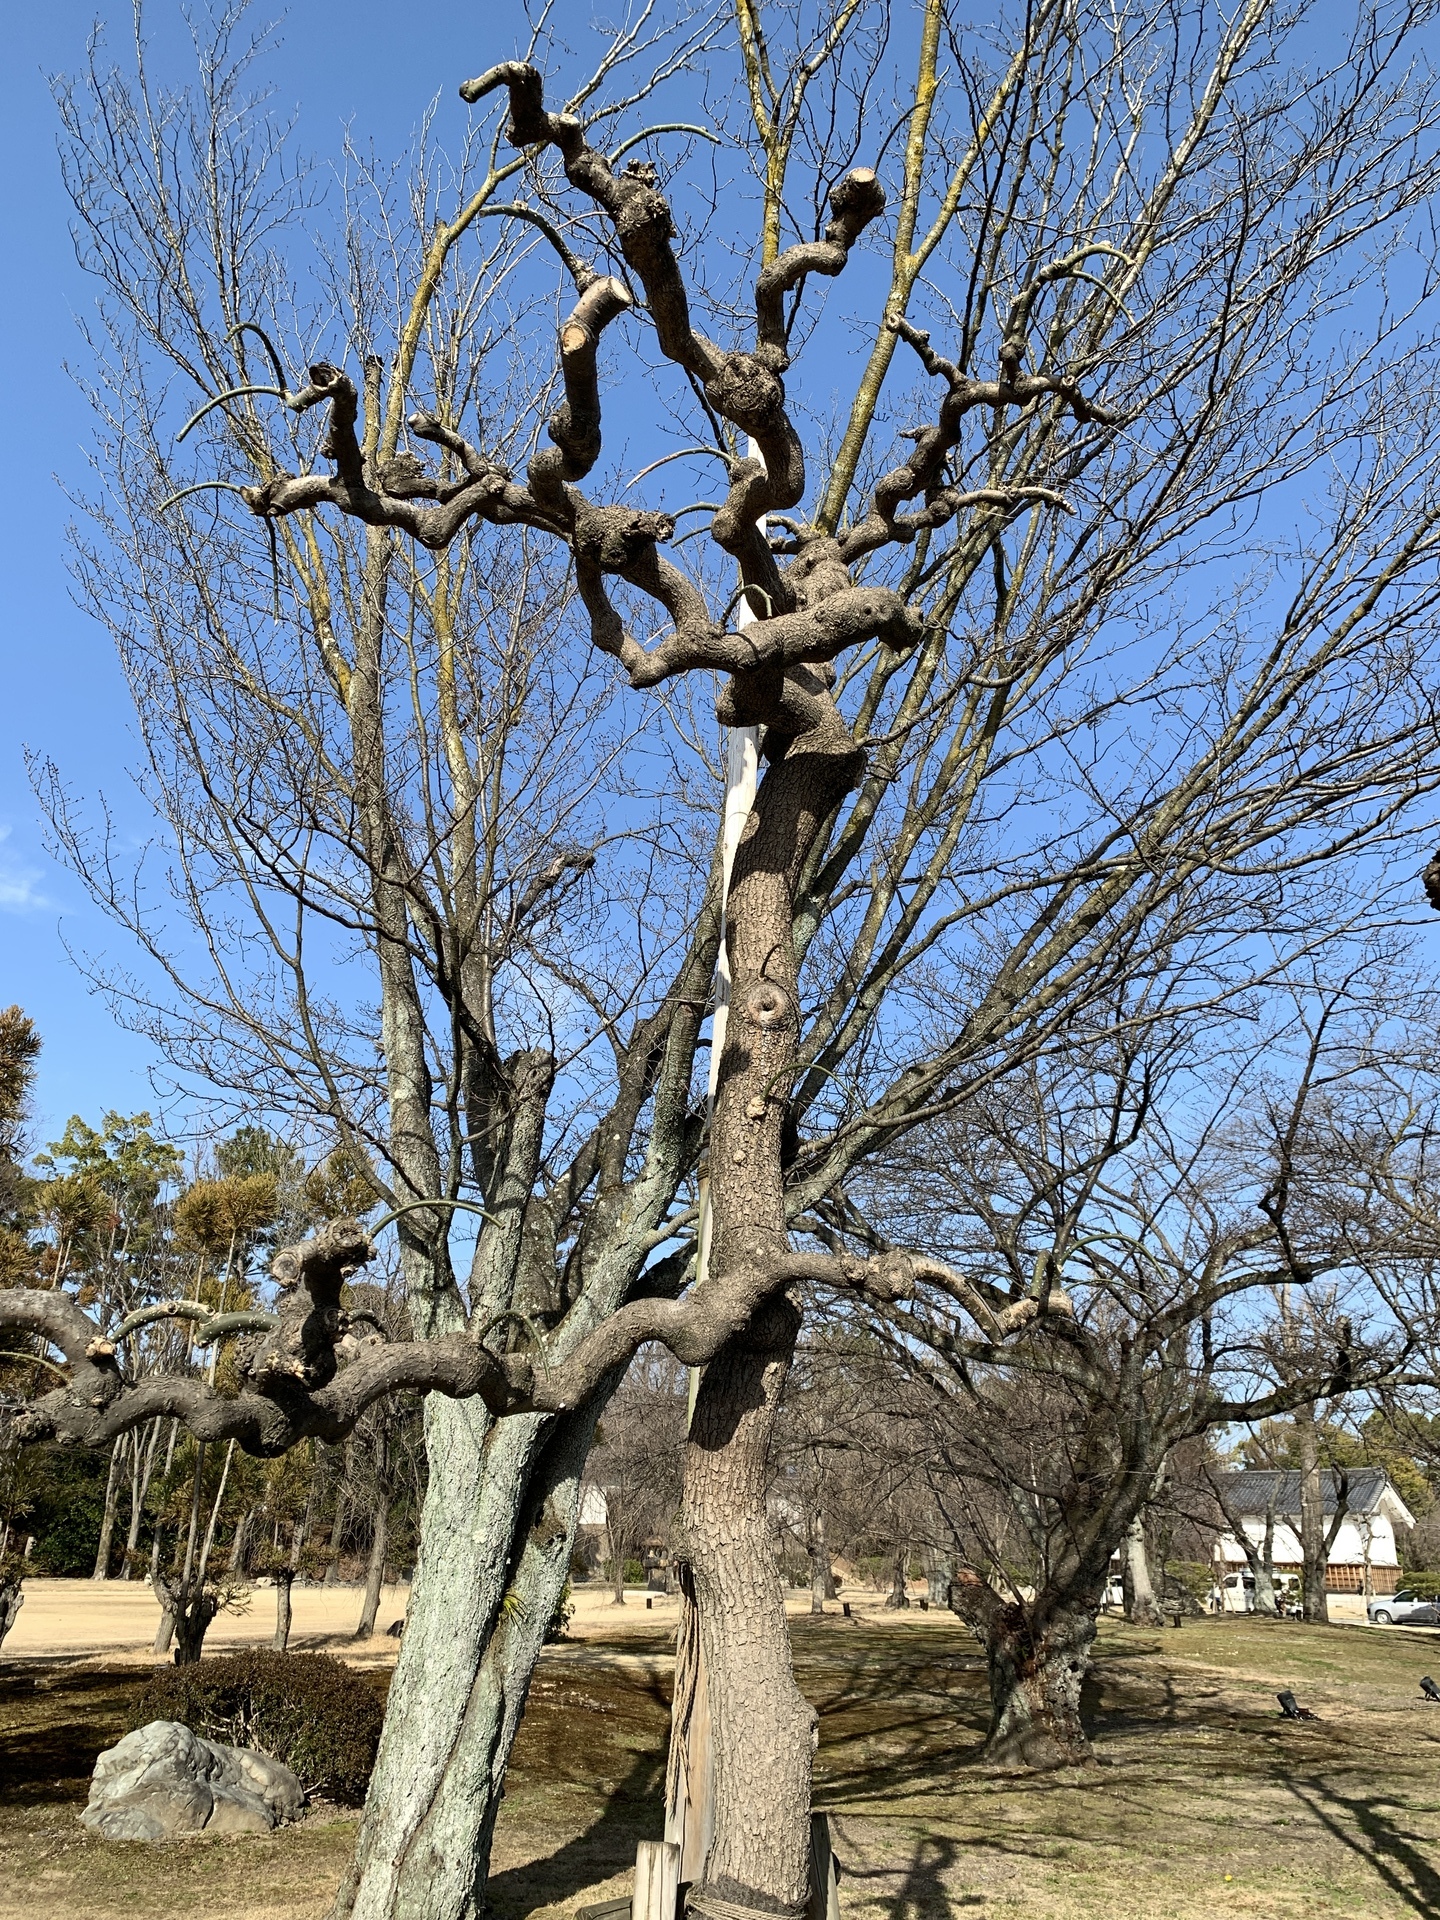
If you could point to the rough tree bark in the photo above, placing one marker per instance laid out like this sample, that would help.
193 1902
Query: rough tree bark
496 1537
1037 1669
762 1728
1316 1539
1141 1604
12 1598
375 1569
112 1502
1037 1658
192 1614
820 1577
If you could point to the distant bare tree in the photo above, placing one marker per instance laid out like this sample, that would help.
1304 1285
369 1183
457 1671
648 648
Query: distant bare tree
636 1462
1164 1252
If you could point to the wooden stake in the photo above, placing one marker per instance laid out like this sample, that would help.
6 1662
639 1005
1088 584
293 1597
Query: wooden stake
824 1871
657 1881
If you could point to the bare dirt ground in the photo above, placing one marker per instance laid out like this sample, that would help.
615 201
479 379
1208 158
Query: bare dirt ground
116 1620
1205 1803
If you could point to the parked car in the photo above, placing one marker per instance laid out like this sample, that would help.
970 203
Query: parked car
1407 1607
1237 1594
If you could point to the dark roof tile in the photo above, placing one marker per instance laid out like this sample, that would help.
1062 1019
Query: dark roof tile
1253 1489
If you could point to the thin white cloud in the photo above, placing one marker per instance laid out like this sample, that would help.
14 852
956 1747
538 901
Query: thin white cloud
19 882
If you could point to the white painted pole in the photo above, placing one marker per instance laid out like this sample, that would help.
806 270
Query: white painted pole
742 776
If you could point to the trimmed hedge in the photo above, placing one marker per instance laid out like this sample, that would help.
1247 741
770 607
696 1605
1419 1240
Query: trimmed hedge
309 1710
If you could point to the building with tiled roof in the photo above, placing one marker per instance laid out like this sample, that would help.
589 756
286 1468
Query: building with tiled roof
1364 1557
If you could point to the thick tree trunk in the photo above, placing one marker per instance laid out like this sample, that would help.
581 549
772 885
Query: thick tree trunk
1141 1605
1037 1665
1315 1540
495 1543
761 1727
284 1580
238 1564
112 1503
898 1595
375 1572
142 1467
192 1616
12 1598
819 1563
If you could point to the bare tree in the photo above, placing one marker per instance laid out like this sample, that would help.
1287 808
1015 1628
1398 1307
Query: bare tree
635 1464
1260 1557
1041 712
823 1455
1167 1215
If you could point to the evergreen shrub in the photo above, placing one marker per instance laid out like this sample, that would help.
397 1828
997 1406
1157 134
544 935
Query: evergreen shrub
309 1710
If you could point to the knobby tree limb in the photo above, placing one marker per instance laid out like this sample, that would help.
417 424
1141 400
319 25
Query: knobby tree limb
309 1377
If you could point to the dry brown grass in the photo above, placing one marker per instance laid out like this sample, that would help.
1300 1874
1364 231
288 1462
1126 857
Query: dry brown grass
1205 1802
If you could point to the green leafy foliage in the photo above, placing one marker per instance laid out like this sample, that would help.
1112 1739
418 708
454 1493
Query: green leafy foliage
1190 1580
61 1498
562 1616
1405 1447
309 1710
342 1184
19 1051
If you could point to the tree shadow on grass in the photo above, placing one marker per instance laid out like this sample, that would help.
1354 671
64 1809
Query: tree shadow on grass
53 1725
1400 1859
586 1783
633 1811
923 1893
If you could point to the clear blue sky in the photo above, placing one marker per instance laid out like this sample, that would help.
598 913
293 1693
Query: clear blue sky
62 692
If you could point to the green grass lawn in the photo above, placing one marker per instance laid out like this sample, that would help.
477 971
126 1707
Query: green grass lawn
1205 1802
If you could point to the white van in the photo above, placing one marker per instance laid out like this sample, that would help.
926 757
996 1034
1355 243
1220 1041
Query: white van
1234 1594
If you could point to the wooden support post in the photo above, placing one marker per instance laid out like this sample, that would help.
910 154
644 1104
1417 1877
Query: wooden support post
824 1872
657 1881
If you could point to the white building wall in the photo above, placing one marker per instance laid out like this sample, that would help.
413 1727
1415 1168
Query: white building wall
1364 1538
593 1507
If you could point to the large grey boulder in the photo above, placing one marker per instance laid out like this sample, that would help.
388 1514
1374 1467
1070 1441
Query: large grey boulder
163 1782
